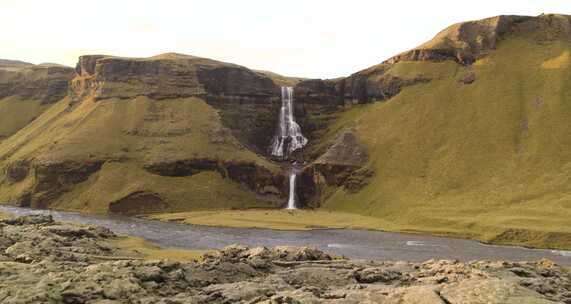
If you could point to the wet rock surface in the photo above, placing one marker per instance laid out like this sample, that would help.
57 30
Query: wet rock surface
42 261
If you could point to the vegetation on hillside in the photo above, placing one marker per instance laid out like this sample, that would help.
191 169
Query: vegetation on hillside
128 135
487 160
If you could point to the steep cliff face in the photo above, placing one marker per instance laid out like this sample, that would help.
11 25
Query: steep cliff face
26 90
46 83
167 76
170 121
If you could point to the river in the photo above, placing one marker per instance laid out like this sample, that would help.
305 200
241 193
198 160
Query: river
359 244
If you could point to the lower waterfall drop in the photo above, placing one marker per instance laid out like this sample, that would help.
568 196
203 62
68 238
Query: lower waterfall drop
291 199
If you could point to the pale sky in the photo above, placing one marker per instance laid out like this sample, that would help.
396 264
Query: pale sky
317 39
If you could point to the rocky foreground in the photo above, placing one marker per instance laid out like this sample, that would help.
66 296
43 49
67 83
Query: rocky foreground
43 261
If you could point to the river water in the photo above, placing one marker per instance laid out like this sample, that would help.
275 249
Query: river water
359 244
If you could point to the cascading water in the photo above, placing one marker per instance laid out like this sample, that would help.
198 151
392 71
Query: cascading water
288 138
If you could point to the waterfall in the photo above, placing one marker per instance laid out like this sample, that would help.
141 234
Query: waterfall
291 200
289 137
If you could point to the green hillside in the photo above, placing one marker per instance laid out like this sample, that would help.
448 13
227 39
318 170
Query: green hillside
139 142
123 136
489 159
27 90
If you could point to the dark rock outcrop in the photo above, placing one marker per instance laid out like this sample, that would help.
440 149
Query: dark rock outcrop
51 180
257 178
17 171
342 165
345 155
324 92
469 78
139 202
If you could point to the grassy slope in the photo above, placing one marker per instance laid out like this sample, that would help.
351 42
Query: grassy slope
17 113
138 128
275 219
474 160
150 251
133 132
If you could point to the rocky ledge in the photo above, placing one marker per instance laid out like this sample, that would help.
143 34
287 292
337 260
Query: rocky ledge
43 261
47 83
167 76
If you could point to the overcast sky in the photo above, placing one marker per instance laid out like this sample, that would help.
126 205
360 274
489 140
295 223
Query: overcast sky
318 39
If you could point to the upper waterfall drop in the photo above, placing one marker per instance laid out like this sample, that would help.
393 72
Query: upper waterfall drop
288 138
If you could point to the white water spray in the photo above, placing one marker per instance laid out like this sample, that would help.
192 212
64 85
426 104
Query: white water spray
288 138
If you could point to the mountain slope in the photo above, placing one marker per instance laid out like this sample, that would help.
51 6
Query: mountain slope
26 90
480 148
140 135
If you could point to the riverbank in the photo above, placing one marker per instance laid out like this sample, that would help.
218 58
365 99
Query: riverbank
277 219
353 243
302 220
45 261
